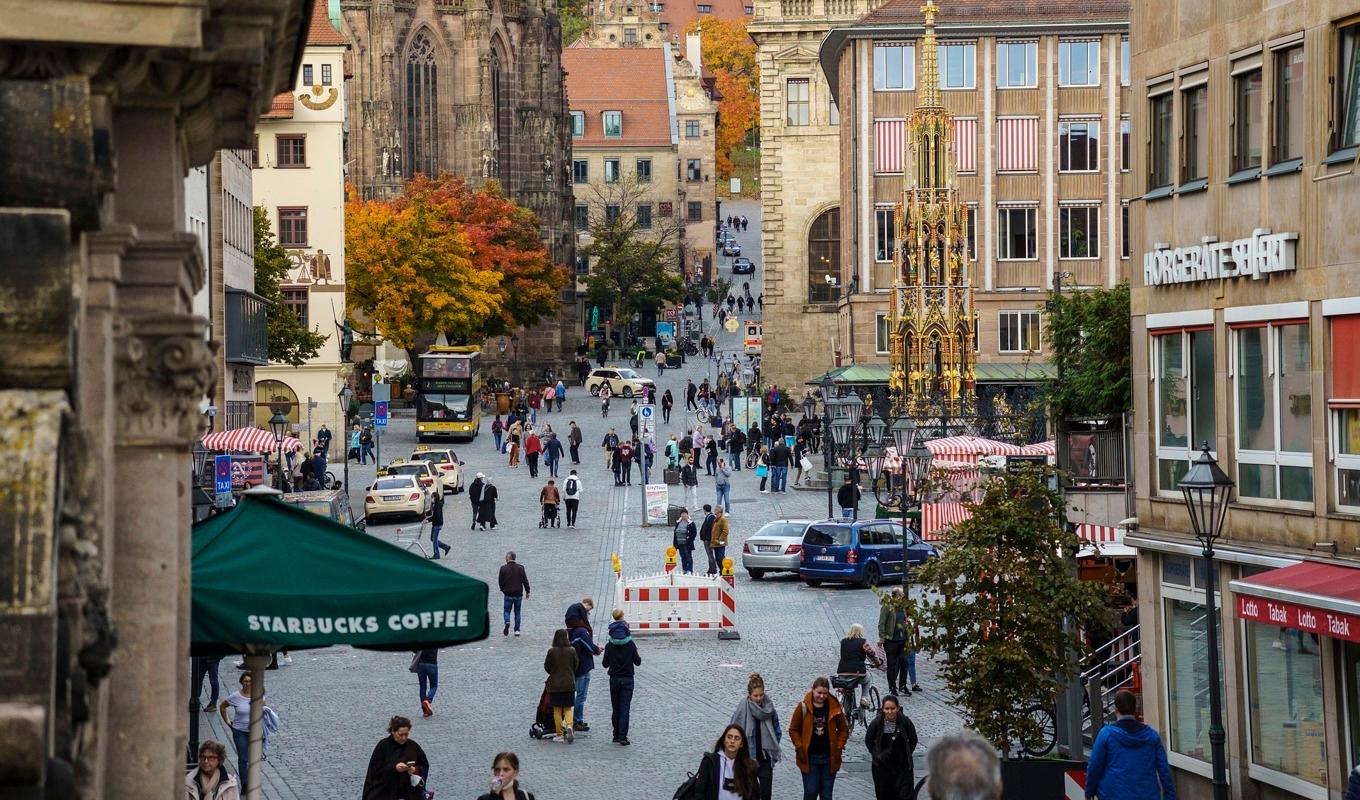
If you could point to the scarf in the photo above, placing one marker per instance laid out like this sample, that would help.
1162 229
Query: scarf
764 715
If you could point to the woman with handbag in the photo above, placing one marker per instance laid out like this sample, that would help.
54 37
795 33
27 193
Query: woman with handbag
763 468
799 456
891 740
505 779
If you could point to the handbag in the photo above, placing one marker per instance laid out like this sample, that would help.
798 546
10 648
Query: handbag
805 465
415 659
762 471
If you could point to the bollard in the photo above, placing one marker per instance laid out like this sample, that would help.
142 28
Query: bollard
670 559
618 567
728 628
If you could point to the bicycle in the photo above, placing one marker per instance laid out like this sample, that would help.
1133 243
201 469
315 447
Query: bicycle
863 710
701 414
328 482
752 457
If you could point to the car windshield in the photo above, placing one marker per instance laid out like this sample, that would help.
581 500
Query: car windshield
433 458
627 373
418 468
393 483
782 529
827 535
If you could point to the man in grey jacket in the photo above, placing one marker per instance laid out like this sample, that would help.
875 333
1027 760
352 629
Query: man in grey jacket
724 484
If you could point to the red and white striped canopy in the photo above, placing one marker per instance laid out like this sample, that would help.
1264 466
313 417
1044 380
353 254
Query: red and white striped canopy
249 440
969 448
1048 448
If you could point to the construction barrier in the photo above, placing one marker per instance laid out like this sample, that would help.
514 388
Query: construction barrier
675 602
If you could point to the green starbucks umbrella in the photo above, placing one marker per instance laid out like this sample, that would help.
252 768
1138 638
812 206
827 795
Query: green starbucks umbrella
270 576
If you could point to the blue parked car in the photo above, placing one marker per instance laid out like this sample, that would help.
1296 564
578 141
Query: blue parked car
865 552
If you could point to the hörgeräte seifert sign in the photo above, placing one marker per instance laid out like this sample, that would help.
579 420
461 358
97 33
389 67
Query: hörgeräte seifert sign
1256 256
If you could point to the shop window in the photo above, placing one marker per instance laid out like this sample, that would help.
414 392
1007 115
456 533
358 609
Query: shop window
1079 232
1274 413
883 233
1187 672
1184 377
1079 63
1017 65
894 67
1285 696
1195 134
1343 403
1350 679
957 65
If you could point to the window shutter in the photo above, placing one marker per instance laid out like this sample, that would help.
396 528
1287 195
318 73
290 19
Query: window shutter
1345 362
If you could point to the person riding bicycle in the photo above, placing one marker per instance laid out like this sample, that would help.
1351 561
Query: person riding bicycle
855 650
641 357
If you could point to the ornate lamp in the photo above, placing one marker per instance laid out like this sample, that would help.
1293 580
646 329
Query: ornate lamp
278 425
876 428
918 460
853 408
904 434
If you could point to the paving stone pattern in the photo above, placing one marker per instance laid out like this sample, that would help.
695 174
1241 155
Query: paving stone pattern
335 703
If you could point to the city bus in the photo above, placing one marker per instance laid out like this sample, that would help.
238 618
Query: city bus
448 380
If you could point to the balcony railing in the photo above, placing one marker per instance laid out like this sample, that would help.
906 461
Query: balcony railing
247 338
1091 454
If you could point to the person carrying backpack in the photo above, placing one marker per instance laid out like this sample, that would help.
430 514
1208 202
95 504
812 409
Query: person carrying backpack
571 493
683 539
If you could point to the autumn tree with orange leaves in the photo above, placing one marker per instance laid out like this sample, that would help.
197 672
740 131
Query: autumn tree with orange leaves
730 54
445 258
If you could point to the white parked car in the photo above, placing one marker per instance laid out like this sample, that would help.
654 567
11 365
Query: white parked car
396 494
623 382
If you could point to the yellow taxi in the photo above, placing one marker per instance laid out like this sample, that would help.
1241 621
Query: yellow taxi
446 465
430 479
396 494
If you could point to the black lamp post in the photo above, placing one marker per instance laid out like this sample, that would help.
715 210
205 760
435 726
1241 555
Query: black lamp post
828 444
345 394
1207 489
278 425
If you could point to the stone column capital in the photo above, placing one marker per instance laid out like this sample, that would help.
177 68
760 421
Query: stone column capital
165 368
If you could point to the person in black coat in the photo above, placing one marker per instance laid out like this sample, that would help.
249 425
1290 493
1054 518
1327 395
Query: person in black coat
486 510
683 539
729 764
620 659
474 493
395 759
891 740
437 524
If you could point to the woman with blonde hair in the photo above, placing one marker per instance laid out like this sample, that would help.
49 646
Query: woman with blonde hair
756 715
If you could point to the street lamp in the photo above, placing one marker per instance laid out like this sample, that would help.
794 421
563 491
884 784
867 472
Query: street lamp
1207 490
828 445
345 394
278 425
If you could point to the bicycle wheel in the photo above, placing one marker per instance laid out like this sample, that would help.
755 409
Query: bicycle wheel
847 699
701 414
875 701
1048 726
328 482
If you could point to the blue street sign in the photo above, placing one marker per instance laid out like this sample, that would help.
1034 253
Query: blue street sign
380 414
222 474
646 412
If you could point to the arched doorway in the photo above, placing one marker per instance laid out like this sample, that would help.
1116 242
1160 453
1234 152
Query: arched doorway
824 257
271 396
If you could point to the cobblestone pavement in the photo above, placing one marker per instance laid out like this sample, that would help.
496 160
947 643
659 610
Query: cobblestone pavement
334 703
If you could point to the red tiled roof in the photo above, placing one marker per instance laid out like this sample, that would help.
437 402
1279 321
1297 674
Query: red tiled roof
678 14
629 79
282 107
322 32
908 12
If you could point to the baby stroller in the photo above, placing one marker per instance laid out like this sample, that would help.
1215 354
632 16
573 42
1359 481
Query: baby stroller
543 727
549 519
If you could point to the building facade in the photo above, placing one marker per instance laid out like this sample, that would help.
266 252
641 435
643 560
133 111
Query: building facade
106 369
1040 115
799 186
299 180
238 320
1246 308
474 89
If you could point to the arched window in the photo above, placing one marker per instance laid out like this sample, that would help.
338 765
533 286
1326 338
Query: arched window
271 396
422 107
500 103
824 257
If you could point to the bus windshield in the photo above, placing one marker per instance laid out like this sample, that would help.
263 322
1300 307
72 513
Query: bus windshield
443 406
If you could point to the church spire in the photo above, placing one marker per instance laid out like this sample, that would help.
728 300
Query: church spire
929 96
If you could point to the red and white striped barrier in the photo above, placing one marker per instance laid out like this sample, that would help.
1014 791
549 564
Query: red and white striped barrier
675 602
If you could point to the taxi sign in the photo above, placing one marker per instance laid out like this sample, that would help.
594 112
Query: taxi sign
731 324
222 474
380 414
420 448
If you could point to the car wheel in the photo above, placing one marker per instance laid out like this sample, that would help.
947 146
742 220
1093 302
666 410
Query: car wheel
812 583
871 575
595 390
756 574
627 391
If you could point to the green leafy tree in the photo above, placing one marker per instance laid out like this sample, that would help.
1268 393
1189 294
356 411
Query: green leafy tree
574 19
1088 335
289 342
995 605
717 293
634 269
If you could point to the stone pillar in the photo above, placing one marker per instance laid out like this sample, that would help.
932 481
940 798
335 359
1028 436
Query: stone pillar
163 368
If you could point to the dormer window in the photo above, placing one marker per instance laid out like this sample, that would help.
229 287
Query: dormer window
578 124
613 123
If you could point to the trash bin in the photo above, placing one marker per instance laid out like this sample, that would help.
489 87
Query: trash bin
673 514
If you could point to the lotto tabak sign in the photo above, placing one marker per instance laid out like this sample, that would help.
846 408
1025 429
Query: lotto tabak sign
1290 615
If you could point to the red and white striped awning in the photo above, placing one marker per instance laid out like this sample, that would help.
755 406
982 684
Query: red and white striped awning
969 448
249 440
1017 144
939 517
1048 448
1098 533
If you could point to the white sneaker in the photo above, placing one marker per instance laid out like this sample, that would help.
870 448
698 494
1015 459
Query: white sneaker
287 661
559 739
517 633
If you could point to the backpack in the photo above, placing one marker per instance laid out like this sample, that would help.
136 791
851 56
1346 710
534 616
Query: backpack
571 486
690 789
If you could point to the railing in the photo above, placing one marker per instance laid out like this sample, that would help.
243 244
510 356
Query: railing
795 8
247 338
1091 454
823 292
1113 666
841 8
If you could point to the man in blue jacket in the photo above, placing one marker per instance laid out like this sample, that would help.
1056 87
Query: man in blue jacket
1128 761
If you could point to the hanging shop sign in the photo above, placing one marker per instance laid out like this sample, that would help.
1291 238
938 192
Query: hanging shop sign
1254 257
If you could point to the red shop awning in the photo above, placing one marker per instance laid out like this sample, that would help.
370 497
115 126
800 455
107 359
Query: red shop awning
1311 596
